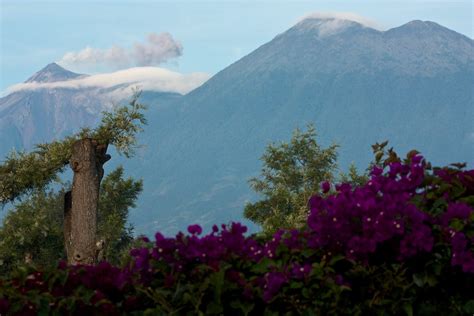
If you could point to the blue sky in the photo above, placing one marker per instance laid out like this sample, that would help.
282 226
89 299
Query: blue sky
213 34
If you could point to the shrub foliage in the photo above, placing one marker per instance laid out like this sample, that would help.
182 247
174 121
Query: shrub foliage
291 173
402 243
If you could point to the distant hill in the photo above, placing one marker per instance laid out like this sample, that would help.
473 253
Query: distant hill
40 114
53 73
412 85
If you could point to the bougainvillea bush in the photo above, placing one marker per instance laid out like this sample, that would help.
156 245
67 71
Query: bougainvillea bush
402 243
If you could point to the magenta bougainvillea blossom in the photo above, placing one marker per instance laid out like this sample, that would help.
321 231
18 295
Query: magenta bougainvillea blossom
405 211
355 221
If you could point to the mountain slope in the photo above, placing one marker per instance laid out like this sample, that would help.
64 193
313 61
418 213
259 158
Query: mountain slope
53 73
40 113
411 85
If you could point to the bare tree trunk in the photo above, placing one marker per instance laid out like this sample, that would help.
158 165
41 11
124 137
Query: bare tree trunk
80 221
67 224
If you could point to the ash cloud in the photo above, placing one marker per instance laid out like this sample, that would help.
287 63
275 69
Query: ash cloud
158 49
155 50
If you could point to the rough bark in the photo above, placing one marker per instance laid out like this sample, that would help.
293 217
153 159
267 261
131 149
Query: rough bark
67 223
80 228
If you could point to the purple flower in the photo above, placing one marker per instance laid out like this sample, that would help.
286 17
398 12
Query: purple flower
299 271
420 239
4 306
247 292
273 283
339 279
416 159
456 210
360 246
376 171
169 281
238 228
142 256
159 237
194 229
325 186
62 265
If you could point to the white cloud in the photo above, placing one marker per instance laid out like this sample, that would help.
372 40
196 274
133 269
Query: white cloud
146 78
157 49
331 22
350 16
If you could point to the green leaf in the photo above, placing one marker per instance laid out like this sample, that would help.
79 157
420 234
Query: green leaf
306 293
307 253
296 285
269 312
262 266
335 259
468 200
187 298
437 268
431 280
457 224
214 308
217 282
345 288
408 308
418 279
469 307
245 307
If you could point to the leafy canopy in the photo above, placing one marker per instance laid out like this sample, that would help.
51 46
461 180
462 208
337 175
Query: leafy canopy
23 172
291 174
33 230
117 196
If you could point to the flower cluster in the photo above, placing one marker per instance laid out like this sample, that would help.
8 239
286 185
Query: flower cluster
219 249
88 289
404 212
458 217
356 221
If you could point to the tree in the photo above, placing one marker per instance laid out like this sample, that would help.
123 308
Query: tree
292 172
354 177
33 230
85 152
117 196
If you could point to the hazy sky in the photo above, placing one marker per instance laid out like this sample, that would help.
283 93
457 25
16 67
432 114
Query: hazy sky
184 36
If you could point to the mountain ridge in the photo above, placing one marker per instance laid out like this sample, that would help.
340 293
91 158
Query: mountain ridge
53 73
358 86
